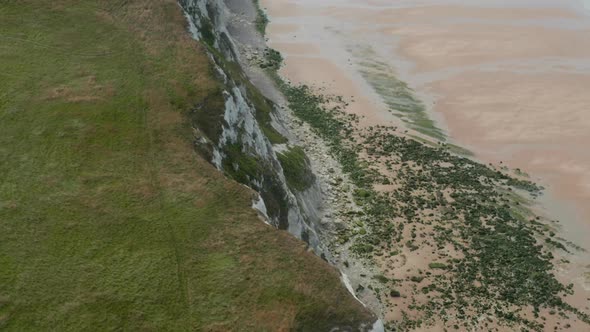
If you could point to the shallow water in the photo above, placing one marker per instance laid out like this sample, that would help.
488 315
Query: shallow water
507 79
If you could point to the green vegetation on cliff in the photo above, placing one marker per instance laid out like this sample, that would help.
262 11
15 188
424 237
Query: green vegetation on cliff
109 220
296 167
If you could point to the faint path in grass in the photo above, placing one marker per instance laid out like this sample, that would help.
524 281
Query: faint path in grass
60 49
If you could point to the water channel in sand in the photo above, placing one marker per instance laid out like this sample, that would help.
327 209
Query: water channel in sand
508 80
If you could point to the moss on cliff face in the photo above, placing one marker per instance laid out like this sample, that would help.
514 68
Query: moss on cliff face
296 168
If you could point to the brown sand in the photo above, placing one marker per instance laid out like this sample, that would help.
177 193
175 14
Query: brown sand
322 73
542 130
510 84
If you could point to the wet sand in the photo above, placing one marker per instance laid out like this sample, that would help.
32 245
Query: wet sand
511 83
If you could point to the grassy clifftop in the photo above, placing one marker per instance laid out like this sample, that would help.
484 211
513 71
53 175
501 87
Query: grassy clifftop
108 219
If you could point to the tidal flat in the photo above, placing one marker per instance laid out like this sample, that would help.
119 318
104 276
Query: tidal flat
502 85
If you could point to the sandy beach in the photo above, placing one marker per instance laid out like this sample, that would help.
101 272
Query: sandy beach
507 80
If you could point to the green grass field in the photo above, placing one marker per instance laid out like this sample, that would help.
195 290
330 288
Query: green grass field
108 218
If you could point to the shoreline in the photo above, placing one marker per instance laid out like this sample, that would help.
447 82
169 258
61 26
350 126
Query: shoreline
362 101
346 77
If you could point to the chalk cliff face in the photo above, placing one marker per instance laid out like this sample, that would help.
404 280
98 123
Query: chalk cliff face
249 141
257 141
246 132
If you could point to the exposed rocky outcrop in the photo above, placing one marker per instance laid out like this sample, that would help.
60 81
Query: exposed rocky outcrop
256 135
250 134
